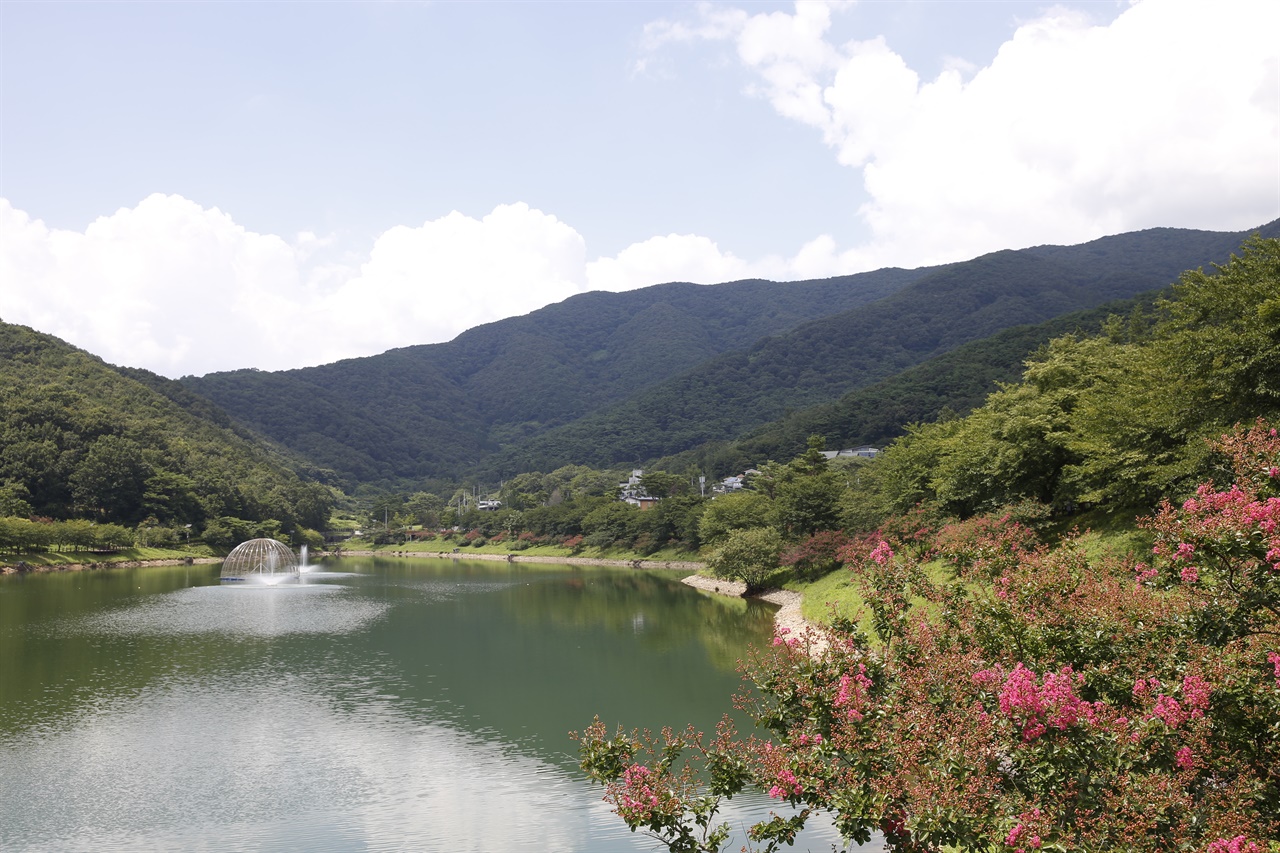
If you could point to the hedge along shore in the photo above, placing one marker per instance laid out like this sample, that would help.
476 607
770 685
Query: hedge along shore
681 565
21 567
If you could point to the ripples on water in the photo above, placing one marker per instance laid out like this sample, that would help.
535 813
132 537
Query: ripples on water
238 611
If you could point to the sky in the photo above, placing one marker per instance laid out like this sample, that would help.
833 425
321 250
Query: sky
192 187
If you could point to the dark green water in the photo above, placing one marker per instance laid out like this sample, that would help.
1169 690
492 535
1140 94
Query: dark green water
381 705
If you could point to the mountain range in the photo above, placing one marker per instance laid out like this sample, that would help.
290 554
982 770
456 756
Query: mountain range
610 379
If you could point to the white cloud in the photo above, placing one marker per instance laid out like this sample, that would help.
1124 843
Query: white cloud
1169 115
180 289
675 257
167 285
431 282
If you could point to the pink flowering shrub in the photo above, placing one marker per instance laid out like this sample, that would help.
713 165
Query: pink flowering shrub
816 556
984 546
1228 540
1061 703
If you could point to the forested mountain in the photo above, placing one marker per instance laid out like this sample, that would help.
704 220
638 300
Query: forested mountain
437 410
1119 420
80 438
620 378
827 358
955 382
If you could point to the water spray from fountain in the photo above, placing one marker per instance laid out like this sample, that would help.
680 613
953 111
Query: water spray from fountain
260 561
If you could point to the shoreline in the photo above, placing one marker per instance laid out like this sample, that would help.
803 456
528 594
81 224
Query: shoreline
22 567
682 565
788 620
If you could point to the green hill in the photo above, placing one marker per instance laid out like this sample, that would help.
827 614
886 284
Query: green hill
824 359
438 410
620 378
954 382
80 438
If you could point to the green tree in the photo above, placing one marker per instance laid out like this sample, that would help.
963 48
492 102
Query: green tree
806 493
750 556
660 484
14 500
611 524
734 511
111 479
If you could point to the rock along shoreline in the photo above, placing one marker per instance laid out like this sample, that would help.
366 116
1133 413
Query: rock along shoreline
788 619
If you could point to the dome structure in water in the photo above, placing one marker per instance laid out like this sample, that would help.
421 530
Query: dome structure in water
260 560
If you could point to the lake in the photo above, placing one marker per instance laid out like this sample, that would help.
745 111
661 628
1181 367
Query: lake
383 704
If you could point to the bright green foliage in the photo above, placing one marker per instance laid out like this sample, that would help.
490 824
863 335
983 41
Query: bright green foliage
1112 421
734 511
806 494
80 438
750 556
1024 699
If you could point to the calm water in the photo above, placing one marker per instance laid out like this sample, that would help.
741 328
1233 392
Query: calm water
383 705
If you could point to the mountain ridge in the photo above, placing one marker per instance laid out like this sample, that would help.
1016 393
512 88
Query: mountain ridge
616 378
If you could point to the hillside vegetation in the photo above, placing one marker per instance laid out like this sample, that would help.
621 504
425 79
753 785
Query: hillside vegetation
990 677
611 379
824 359
436 411
80 439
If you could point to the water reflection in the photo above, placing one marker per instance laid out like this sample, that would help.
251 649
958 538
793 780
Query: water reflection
239 611
408 705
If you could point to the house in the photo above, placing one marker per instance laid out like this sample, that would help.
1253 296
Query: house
631 491
866 451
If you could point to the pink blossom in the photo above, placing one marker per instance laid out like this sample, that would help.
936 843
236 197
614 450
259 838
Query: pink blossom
1195 693
988 677
1190 574
1170 711
1053 704
1274 659
1185 758
1239 844
1184 551
637 799
882 553
853 691
788 786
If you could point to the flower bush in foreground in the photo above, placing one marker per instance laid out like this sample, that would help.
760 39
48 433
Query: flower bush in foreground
1039 701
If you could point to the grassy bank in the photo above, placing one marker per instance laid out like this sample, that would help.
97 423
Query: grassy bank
66 559
836 594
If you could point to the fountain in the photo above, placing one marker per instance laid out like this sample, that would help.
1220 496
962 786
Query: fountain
260 561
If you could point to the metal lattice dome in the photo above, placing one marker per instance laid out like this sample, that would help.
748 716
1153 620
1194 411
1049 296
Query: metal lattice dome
264 559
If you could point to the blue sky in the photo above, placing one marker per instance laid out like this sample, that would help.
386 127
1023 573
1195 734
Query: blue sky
200 186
